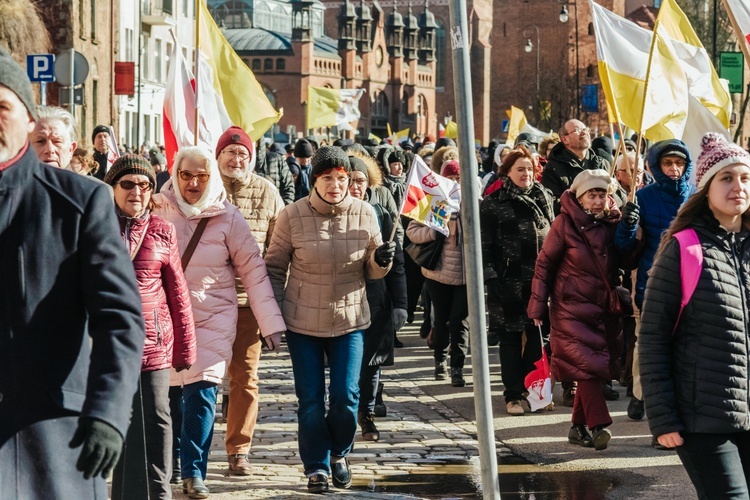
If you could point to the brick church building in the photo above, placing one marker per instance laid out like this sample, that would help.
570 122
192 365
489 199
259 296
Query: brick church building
290 45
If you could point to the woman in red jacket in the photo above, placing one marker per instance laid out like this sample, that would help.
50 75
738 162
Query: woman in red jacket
170 332
577 256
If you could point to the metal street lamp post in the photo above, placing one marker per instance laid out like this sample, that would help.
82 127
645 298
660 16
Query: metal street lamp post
528 48
564 16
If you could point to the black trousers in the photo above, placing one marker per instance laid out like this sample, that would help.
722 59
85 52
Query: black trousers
451 325
517 359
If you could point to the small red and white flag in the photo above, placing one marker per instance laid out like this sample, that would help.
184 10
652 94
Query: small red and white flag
113 152
539 382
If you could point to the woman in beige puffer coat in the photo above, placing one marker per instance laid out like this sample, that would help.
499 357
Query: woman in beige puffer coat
323 248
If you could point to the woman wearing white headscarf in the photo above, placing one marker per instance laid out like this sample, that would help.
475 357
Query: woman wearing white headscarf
225 248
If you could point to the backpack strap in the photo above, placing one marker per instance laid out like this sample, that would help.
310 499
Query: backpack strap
691 264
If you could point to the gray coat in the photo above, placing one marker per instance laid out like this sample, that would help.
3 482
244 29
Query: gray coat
71 329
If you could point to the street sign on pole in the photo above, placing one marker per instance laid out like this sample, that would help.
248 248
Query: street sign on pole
40 67
63 63
64 96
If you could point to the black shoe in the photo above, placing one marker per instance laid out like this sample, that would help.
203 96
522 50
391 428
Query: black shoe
569 395
580 436
457 377
341 474
397 343
380 409
367 424
635 409
441 370
317 483
655 444
193 487
424 330
610 394
410 318
601 437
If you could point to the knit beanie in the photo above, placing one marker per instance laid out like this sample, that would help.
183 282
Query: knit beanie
587 180
328 157
13 76
97 130
130 164
359 166
303 149
234 135
717 153
449 168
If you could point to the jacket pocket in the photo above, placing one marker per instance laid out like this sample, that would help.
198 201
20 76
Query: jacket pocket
22 274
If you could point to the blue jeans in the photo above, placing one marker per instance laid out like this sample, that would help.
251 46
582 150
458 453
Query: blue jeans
324 435
198 412
718 464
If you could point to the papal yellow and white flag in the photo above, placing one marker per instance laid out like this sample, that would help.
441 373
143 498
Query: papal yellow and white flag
332 107
451 130
430 198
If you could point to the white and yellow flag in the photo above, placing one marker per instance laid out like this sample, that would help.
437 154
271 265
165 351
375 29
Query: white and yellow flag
332 107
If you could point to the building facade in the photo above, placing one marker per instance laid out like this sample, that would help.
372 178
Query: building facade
289 48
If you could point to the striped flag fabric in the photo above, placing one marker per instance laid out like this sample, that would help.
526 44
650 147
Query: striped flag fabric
430 199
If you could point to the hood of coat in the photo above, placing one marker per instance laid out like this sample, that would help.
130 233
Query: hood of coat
569 205
673 187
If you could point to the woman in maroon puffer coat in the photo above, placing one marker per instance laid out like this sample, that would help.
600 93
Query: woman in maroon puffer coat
170 331
583 335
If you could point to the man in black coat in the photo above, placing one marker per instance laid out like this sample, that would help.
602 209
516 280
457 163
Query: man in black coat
71 331
571 156
273 167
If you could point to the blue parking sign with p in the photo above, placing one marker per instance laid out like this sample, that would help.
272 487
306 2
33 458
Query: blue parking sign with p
41 67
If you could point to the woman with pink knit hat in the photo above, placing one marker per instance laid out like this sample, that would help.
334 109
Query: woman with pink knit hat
694 360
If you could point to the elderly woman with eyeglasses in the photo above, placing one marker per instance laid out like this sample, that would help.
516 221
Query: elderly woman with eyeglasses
168 316
216 244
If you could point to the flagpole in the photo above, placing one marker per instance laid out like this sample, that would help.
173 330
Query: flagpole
196 127
645 88
745 52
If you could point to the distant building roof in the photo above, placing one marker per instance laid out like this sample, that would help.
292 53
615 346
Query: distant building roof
259 41
644 16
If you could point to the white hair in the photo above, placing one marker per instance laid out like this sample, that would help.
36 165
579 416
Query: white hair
632 157
53 113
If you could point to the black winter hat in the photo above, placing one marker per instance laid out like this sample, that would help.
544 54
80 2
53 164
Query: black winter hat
97 130
303 149
359 166
13 76
130 164
328 157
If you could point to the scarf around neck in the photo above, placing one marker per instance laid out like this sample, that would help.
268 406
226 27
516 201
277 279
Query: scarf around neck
534 199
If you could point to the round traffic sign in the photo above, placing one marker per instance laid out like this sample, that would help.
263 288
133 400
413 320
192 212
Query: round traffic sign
62 68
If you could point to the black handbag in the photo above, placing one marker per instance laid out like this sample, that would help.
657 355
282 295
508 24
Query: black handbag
427 255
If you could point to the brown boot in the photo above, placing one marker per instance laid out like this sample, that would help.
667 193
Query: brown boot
239 466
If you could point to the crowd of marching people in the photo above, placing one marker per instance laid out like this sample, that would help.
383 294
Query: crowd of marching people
585 245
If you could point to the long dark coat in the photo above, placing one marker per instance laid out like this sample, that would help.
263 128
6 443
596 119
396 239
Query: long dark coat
71 331
511 241
584 337
387 293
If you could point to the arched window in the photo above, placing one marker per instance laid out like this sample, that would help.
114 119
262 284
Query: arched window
379 114
268 65
280 65
591 29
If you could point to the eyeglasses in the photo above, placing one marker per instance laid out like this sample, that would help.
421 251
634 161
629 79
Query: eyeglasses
236 154
189 176
670 163
129 185
329 179
578 130
359 182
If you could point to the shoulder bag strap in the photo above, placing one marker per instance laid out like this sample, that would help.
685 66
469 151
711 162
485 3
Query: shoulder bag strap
596 263
140 242
193 242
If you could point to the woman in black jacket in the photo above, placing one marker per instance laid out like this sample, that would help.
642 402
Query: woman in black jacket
694 361
514 221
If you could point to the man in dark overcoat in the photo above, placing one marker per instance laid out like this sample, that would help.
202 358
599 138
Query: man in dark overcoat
71 332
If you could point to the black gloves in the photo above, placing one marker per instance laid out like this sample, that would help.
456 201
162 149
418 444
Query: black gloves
102 445
384 253
494 288
630 213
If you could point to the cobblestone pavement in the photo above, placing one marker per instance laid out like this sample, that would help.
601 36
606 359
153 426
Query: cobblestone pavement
426 450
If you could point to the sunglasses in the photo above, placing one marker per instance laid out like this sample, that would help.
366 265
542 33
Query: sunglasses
189 176
129 185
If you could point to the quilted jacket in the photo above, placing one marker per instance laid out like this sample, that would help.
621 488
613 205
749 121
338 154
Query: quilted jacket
327 252
259 202
450 267
226 248
170 331
696 379
584 337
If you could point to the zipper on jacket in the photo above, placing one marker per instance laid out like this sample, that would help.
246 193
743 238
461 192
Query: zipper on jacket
22 274
157 327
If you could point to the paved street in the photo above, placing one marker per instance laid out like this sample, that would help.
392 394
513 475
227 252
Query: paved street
428 445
